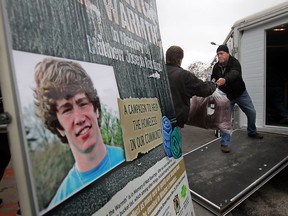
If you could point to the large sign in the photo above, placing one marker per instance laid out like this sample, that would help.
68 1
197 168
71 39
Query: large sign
123 34
70 61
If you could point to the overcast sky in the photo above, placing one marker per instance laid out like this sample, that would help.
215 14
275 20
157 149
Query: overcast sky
193 24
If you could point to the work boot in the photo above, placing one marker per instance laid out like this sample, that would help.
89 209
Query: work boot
284 120
255 136
225 148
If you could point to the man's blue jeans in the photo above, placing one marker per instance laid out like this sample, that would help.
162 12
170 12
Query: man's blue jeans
246 105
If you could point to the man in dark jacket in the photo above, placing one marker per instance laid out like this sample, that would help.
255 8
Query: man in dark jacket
184 85
228 76
5 154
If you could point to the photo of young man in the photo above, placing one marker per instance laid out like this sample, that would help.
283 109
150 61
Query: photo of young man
69 107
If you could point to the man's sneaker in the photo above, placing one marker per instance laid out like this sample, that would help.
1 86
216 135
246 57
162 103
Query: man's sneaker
225 149
255 136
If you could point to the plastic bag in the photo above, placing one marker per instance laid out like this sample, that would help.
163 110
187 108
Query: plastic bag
212 112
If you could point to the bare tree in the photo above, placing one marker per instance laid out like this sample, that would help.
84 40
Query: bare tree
200 70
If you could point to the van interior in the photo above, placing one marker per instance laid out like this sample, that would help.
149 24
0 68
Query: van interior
277 76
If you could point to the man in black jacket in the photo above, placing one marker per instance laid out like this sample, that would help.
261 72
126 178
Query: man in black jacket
5 154
184 85
228 76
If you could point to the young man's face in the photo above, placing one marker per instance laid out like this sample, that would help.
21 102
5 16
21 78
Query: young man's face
79 121
222 56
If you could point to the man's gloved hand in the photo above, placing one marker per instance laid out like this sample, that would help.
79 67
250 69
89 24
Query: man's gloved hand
5 118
